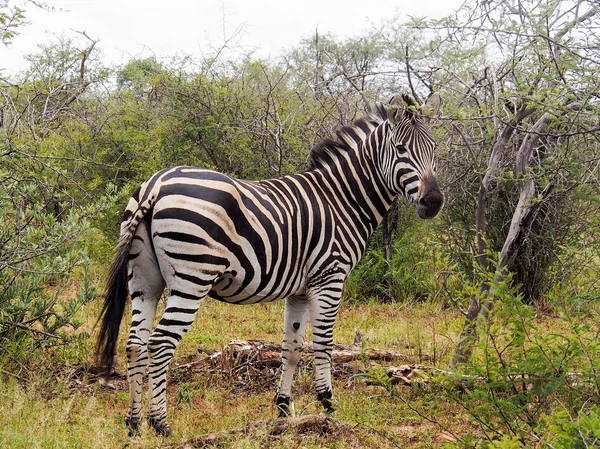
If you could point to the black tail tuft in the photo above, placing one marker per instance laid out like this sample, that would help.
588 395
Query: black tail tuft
113 309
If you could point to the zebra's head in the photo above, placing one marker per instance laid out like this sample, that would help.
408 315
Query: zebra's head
410 164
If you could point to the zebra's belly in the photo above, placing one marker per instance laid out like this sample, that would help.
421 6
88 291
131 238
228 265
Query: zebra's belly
232 290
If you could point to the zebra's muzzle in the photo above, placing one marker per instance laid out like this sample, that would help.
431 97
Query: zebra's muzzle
431 200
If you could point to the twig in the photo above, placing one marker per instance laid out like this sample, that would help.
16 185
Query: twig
410 83
37 331
16 376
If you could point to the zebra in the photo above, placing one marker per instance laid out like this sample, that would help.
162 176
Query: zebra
199 232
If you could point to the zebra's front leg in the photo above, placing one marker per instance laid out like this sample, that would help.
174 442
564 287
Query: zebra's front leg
179 315
294 329
323 311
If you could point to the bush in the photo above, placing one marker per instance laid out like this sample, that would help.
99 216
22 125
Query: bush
41 262
410 274
567 430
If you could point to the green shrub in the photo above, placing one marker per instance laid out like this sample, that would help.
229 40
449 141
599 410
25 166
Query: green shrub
568 430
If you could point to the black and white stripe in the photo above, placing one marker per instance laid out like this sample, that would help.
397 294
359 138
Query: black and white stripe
199 232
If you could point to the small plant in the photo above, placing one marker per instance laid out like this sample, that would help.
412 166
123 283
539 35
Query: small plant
185 394
177 375
572 431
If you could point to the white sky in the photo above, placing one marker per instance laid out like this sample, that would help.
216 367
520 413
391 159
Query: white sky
139 28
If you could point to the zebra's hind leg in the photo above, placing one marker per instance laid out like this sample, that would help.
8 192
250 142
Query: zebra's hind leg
146 284
179 315
295 322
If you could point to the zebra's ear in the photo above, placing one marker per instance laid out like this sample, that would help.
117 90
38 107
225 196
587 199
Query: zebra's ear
431 108
401 105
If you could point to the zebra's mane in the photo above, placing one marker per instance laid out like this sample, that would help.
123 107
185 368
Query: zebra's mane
348 138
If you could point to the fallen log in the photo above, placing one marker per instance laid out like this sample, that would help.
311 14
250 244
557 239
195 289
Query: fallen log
320 424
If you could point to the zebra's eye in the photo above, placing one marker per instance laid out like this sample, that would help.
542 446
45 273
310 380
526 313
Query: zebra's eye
401 148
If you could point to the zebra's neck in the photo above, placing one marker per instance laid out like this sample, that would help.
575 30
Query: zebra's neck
354 179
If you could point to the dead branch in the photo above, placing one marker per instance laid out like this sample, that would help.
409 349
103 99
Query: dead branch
423 374
256 355
8 373
82 84
528 203
408 70
411 374
492 171
265 354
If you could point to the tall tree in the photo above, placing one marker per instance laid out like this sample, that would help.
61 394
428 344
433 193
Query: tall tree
521 111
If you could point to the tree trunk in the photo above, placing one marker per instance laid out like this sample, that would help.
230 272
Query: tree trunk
521 220
388 228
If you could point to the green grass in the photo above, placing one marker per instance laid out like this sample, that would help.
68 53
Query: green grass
65 420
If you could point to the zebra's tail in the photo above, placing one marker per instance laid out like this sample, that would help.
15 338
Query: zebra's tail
116 286
114 306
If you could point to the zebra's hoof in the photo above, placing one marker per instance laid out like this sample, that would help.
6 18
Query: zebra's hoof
162 429
329 405
326 398
284 411
283 406
134 426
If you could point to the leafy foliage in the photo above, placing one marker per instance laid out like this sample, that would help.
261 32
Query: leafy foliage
11 17
526 383
43 211
573 431
39 256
